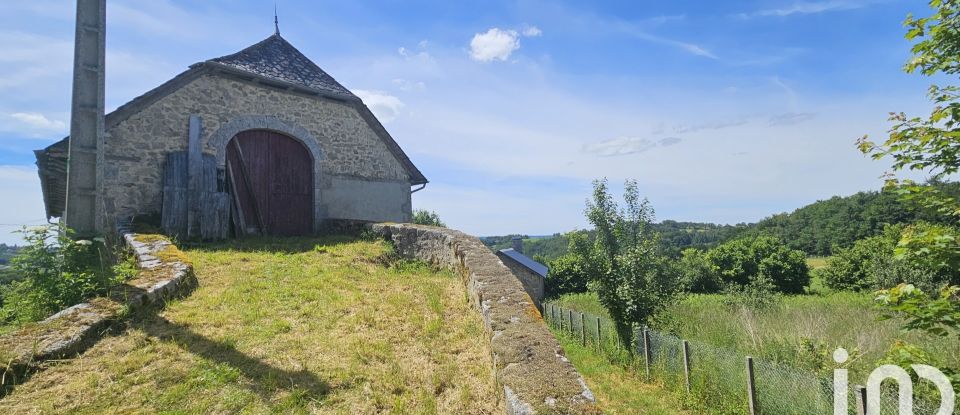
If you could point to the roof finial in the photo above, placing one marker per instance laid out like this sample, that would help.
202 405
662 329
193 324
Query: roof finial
276 22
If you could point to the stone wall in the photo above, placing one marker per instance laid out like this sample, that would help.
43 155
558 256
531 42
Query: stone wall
529 364
135 147
164 273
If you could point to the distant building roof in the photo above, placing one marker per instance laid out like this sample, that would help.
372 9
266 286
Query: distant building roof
526 261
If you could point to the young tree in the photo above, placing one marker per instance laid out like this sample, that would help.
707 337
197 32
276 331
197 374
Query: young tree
931 145
632 278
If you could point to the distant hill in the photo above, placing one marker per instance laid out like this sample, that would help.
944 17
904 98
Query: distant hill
816 229
675 237
821 226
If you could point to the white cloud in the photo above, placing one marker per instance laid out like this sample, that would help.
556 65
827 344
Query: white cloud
804 8
411 55
691 48
532 31
628 145
408 85
385 106
32 125
35 121
494 44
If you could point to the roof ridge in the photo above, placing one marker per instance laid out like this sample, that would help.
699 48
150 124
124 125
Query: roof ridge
276 58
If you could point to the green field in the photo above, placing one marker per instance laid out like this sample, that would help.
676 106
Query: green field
799 331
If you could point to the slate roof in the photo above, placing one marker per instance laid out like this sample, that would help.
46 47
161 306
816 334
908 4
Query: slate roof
526 261
275 58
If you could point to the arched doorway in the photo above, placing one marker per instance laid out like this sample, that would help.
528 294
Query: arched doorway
271 177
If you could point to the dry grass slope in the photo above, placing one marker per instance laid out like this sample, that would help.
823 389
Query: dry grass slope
286 326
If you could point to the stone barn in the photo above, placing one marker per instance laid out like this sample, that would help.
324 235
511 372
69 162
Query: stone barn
262 141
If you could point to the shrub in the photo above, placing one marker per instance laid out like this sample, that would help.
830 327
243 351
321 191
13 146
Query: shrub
873 263
568 274
427 217
571 272
741 261
56 271
697 274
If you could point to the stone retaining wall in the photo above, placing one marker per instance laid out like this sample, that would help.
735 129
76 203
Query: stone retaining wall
165 273
530 366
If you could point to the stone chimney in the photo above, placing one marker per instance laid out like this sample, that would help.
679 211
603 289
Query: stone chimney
86 119
517 243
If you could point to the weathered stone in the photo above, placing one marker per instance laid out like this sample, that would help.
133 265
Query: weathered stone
529 363
75 328
341 142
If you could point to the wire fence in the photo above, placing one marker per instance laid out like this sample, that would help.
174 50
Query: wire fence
716 379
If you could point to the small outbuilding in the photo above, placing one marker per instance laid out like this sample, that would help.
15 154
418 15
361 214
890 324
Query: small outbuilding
531 273
261 141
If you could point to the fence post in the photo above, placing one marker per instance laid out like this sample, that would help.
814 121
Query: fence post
646 352
561 318
599 343
686 364
570 320
583 331
861 393
751 388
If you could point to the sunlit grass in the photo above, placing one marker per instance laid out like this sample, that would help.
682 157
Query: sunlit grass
286 326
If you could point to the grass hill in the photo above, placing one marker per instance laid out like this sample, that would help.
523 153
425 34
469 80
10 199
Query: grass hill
304 325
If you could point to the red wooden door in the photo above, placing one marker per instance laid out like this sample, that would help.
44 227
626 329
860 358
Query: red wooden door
272 175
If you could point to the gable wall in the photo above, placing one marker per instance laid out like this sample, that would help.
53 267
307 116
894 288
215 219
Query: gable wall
356 164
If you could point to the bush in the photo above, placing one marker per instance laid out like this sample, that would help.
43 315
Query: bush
697 274
427 217
872 263
568 274
56 271
742 261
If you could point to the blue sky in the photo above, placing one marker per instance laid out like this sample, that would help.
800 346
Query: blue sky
724 111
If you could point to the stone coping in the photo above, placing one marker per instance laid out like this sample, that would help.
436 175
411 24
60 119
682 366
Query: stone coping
528 361
164 273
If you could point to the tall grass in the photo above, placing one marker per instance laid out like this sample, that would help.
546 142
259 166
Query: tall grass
792 341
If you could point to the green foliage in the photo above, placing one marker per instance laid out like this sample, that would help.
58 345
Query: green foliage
939 315
820 228
855 268
697 274
633 279
426 217
548 248
56 271
566 276
760 293
743 262
905 355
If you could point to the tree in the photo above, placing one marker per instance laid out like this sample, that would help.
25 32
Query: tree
743 262
571 272
697 274
632 277
930 145
427 217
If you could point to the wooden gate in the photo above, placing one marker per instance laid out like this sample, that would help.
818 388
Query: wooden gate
271 178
